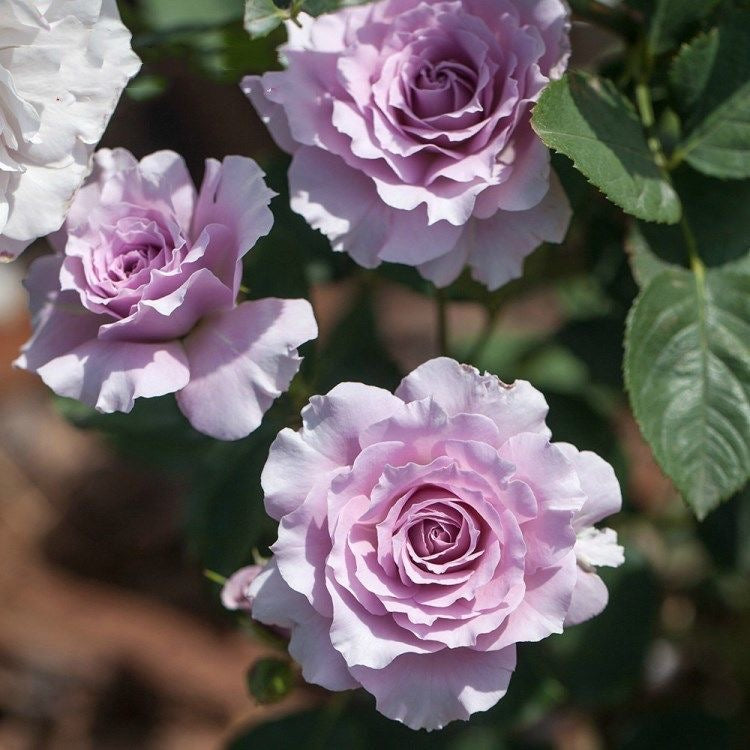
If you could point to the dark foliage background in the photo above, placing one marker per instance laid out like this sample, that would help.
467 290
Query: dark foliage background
667 665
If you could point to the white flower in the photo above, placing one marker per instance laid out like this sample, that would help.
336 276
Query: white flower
63 66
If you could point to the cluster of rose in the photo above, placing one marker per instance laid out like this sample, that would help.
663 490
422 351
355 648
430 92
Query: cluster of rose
422 534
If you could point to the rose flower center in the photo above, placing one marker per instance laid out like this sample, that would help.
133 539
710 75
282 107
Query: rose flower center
433 87
132 260
130 249
438 532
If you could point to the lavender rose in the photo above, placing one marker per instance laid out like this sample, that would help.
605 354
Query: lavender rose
141 300
423 534
63 66
409 122
235 594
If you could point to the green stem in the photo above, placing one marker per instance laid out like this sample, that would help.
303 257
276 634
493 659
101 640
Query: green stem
294 11
646 110
214 577
441 304
696 264
484 335
645 106
675 160
493 305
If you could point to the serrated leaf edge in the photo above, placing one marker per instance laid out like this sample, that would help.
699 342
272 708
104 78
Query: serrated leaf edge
617 203
700 513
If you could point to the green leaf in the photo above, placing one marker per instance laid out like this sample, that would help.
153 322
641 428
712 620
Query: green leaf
262 17
589 121
225 54
691 69
168 15
721 231
741 265
710 79
146 87
687 369
316 7
644 263
672 19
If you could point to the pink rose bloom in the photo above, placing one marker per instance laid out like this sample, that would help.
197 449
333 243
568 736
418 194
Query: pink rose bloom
235 594
142 299
423 535
409 125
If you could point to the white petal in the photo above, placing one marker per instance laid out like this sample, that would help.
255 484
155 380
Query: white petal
69 62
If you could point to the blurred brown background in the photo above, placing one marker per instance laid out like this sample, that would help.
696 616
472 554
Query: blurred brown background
110 637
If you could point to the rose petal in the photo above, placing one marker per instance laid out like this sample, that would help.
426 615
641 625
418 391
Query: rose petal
301 550
60 322
333 423
292 469
599 483
590 597
528 183
167 172
429 691
310 645
173 315
274 603
596 547
236 590
366 639
496 247
110 375
240 362
271 113
234 194
461 389
344 205
544 607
